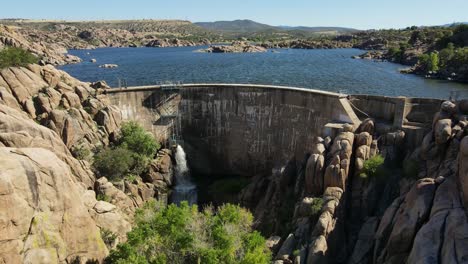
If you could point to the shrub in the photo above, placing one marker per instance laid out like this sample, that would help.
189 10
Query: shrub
108 237
81 152
317 204
113 163
132 154
103 197
16 57
429 62
135 138
183 234
373 167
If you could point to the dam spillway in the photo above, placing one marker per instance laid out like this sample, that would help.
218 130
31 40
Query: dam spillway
244 129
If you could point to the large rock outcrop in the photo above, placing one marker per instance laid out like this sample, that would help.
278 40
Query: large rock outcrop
235 47
45 176
412 212
49 52
82 118
44 219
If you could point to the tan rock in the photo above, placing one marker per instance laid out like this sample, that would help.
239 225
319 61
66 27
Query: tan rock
51 223
314 174
413 212
443 131
17 130
317 251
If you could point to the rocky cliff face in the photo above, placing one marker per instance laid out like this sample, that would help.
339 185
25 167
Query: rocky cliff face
51 41
50 51
50 124
414 213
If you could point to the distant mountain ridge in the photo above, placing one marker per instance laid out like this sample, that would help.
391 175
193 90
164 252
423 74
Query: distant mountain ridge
248 26
235 26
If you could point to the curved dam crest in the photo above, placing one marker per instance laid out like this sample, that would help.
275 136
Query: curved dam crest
245 129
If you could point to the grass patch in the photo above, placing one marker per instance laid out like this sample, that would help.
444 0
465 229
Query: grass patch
103 197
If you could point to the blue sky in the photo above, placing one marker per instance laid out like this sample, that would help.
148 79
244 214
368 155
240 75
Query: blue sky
361 14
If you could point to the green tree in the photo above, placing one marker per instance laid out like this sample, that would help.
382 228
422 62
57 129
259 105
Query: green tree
135 138
434 62
429 62
113 163
446 55
16 57
132 153
183 234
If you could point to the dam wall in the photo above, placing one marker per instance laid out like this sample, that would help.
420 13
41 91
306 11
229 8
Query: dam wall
237 129
251 129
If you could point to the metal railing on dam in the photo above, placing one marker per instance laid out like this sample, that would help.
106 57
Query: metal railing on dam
219 85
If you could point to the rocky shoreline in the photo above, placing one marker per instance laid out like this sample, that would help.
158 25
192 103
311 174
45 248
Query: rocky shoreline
235 47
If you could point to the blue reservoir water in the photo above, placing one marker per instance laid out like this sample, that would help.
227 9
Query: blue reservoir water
329 70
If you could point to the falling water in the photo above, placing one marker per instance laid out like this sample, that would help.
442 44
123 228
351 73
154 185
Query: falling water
185 189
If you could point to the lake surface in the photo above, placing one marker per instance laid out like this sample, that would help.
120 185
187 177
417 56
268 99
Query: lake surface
329 70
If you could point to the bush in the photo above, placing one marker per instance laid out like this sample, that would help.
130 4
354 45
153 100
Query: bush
16 57
316 205
135 138
108 237
113 163
429 62
373 167
183 234
103 197
81 152
132 154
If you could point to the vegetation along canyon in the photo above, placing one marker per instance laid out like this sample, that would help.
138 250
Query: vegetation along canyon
136 132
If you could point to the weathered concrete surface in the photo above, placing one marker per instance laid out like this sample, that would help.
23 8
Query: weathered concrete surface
245 129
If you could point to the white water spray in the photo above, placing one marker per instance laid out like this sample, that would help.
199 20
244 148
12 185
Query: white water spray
184 189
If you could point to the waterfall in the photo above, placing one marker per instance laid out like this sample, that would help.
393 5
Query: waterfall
185 189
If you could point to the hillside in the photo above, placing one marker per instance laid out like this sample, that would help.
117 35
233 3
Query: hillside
254 30
236 26
338 30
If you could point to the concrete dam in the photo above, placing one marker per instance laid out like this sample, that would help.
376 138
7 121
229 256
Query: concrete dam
298 149
245 129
